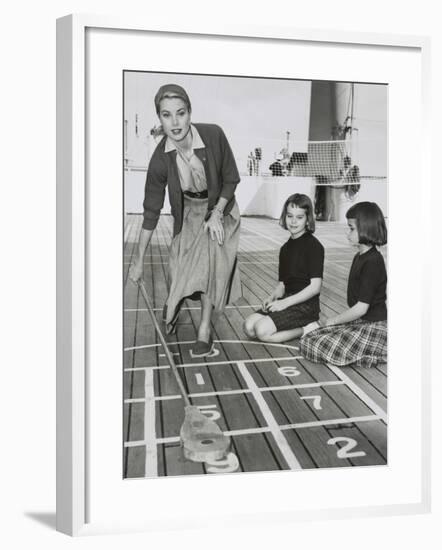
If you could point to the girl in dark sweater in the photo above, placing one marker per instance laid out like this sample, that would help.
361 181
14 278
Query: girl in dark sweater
358 335
295 301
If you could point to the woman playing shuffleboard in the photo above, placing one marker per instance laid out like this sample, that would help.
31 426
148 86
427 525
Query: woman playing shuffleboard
196 164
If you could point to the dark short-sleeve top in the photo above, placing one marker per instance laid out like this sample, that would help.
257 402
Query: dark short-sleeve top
367 283
300 260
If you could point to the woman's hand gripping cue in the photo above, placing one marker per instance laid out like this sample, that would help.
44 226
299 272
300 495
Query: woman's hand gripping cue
136 271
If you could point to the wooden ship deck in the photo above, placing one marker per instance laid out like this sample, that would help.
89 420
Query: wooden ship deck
281 411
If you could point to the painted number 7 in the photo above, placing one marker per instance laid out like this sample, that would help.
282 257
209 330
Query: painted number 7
316 401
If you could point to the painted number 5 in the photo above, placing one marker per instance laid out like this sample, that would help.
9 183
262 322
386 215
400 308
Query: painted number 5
211 414
344 452
224 465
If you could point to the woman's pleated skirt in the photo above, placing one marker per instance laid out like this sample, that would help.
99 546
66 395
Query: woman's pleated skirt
198 264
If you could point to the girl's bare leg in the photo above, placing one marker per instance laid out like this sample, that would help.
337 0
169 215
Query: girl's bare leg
285 335
265 330
250 323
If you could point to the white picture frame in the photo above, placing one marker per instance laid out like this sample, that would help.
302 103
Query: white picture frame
92 497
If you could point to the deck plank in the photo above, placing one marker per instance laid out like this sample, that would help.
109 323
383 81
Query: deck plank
372 391
315 441
258 264
134 462
376 433
256 454
371 457
176 463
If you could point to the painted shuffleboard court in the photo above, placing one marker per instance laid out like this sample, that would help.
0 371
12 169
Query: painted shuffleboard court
281 411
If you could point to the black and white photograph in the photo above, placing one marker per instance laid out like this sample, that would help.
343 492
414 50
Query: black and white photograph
255 274
216 210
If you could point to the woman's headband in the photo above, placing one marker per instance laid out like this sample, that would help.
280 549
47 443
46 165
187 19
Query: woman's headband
171 90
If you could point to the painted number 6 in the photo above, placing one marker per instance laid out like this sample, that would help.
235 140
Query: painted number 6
344 452
289 371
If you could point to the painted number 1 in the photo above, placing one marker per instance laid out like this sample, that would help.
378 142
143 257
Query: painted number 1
344 452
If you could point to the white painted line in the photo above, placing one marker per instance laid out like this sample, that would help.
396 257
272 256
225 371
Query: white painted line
379 411
168 397
199 379
248 342
281 441
241 391
264 429
145 346
307 385
233 362
251 306
139 443
202 394
330 422
151 460
231 433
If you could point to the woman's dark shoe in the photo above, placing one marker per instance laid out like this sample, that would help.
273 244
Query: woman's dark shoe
202 349
172 329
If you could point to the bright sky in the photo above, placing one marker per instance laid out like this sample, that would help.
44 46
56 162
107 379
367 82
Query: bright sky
253 112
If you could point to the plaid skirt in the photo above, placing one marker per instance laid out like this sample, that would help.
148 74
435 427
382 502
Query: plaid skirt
358 344
295 316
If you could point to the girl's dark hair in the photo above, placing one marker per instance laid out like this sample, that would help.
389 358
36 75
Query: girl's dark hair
370 223
300 201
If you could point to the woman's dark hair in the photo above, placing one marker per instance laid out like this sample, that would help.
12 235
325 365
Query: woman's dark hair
300 201
370 223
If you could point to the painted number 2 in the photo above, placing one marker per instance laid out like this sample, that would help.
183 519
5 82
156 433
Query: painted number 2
289 371
344 452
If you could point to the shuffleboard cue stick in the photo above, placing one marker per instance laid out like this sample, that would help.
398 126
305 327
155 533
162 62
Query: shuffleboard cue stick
201 438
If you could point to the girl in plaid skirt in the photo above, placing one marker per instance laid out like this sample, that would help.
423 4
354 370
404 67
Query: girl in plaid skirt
358 335
295 301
